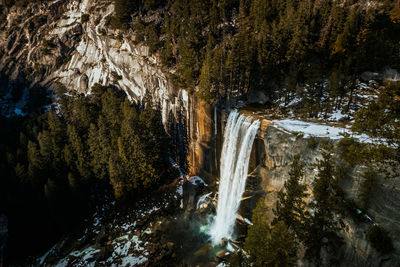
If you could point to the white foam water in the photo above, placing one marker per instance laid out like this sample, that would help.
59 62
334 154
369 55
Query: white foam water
239 136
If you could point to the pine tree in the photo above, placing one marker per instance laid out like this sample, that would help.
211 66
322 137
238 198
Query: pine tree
80 156
46 148
367 188
256 243
346 40
380 117
34 159
205 79
111 111
186 63
291 205
118 177
122 10
20 171
283 246
98 155
321 225
167 57
214 17
57 133
72 182
267 246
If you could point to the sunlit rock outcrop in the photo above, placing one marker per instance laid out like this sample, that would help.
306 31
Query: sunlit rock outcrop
48 44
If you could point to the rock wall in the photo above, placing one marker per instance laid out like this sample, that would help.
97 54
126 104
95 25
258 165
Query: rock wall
269 170
47 44
206 137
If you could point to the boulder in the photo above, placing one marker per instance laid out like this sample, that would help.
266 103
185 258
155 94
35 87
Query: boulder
104 254
223 255
170 245
366 76
391 75
223 242
206 249
102 237
203 206
257 97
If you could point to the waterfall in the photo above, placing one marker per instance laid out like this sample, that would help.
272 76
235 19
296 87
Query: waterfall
238 142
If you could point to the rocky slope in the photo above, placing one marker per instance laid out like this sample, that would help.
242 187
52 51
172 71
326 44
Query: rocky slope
49 44
115 236
273 153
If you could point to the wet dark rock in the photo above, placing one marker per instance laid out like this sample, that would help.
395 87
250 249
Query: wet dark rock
152 250
159 258
206 249
257 97
170 245
104 254
223 255
368 75
223 242
137 233
189 196
102 237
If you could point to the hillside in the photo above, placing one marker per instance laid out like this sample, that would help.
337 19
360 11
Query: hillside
229 133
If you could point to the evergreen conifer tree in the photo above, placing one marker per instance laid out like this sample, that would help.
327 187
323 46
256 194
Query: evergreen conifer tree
321 224
291 206
269 246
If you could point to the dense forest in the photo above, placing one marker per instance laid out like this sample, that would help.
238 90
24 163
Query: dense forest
315 50
58 164
301 227
232 47
72 151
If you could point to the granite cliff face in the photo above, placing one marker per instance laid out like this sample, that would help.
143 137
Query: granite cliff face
47 44
273 154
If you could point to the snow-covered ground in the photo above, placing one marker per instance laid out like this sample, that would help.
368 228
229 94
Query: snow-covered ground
360 97
127 237
309 129
325 124
127 249
197 180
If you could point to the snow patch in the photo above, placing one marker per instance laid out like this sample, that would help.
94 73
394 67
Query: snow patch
310 129
195 180
19 112
43 258
90 254
179 190
337 115
132 260
62 263
248 221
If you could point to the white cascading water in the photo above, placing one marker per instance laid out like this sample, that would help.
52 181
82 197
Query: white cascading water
238 141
